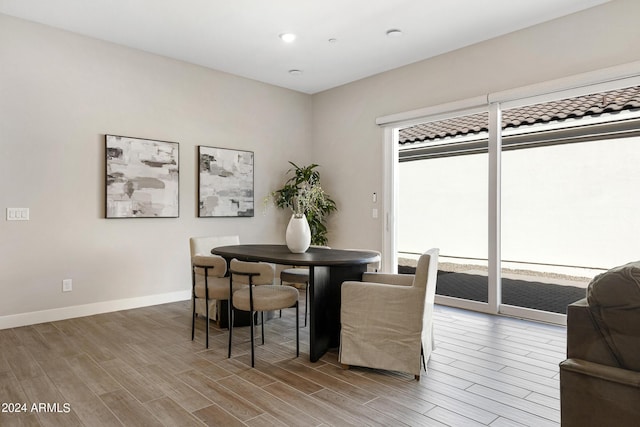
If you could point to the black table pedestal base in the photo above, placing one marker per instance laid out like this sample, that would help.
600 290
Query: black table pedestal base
324 298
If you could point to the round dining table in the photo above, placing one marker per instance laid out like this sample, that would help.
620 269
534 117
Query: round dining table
328 268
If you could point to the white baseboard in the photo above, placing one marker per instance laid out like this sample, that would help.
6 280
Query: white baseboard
34 317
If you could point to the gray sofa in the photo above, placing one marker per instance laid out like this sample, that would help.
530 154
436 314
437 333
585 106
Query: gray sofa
600 380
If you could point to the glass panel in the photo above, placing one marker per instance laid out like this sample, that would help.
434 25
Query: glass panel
442 202
569 209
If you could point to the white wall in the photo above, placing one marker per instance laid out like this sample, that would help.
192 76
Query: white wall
570 204
60 94
348 144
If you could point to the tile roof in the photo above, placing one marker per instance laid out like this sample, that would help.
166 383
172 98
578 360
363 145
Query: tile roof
555 111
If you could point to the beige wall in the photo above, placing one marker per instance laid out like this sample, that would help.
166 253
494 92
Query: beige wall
59 94
348 144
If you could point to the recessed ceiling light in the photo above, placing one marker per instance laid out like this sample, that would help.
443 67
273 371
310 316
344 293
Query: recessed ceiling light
287 37
394 33
295 72
333 40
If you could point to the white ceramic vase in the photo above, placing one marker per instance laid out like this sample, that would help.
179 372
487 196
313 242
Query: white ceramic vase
298 235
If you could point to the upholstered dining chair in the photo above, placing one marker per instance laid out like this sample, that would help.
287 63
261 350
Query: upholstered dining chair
207 278
298 276
387 319
259 295
209 285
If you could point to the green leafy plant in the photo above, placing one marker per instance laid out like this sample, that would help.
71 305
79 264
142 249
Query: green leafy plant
303 194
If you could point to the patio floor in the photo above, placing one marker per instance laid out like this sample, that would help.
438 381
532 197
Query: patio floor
522 293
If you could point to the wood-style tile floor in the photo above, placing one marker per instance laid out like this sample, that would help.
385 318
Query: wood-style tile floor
140 368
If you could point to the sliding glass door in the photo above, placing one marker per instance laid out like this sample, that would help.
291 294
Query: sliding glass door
442 202
524 214
569 175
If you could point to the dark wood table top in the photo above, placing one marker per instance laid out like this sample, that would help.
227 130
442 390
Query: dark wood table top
280 254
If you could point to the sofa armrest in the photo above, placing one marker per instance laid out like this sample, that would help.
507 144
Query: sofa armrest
603 372
598 395
584 340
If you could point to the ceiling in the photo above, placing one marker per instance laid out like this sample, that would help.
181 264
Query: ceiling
242 36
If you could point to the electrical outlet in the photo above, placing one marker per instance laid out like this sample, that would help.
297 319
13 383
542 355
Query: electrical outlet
67 285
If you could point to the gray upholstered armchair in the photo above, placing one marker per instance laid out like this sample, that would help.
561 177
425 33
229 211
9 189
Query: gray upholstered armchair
600 380
387 318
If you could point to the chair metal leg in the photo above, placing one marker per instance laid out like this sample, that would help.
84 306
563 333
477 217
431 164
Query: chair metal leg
298 329
306 303
262 325
193 320
280 285
230 320
207 319
206 301
252 352
230 312
193 298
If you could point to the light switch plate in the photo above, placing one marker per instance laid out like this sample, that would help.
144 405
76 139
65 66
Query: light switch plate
17 214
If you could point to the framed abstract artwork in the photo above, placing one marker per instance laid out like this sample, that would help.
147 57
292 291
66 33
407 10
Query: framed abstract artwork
225 182
142 179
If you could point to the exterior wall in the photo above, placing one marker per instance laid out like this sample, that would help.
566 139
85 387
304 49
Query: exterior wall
60 93
568 204
349 146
